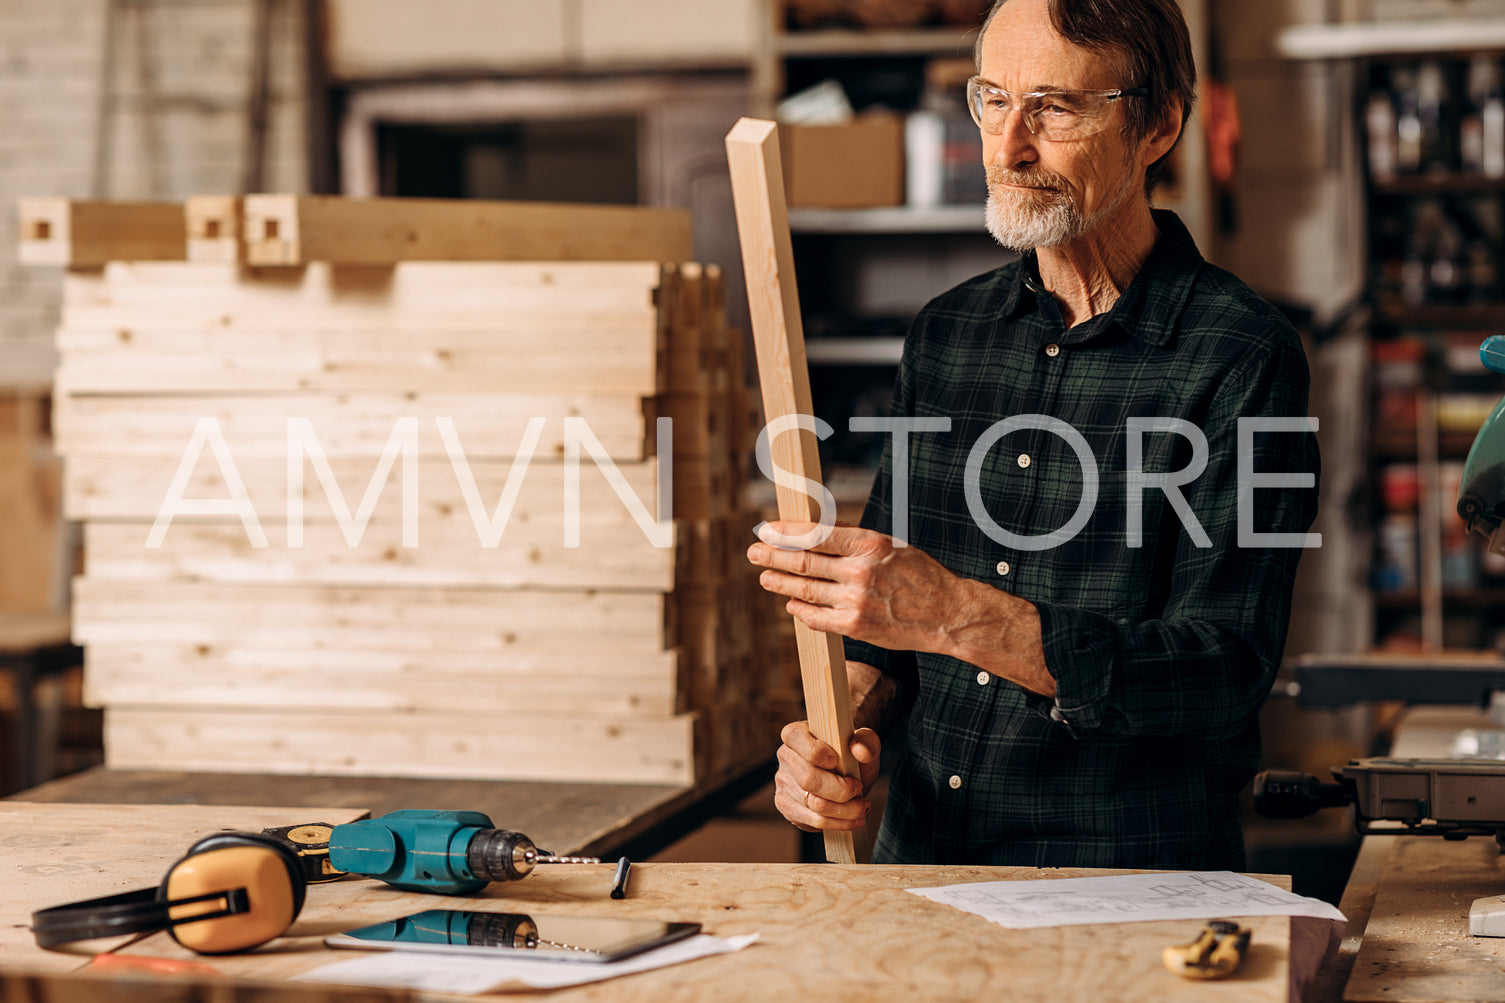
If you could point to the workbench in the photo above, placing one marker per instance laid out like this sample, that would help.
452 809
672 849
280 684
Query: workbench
826 932
598 820
1407 903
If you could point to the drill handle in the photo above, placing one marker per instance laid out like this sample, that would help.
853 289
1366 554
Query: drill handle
1294 794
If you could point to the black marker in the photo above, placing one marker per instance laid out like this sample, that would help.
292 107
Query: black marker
619 883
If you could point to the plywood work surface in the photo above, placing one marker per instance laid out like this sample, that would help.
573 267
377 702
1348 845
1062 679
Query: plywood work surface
56 853
827 931
1416 947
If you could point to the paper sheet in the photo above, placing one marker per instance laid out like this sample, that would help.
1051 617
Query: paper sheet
447 973
1127 898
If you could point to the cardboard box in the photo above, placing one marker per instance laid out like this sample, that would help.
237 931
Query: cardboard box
844 166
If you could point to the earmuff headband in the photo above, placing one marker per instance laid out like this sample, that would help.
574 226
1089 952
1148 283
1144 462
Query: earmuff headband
120 915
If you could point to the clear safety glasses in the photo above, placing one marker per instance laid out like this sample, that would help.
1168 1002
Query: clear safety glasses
1055 116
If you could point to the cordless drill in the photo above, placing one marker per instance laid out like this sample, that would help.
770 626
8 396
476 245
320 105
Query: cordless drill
441 852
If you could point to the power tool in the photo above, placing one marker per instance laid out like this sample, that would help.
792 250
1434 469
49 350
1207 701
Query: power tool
1481 496
1451 798
440 852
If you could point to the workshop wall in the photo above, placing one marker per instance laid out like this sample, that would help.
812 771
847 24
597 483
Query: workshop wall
1290 222
141 99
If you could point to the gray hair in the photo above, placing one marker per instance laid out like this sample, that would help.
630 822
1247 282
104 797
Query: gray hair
1152 44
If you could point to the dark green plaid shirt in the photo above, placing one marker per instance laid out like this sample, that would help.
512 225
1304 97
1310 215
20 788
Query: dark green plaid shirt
1162 653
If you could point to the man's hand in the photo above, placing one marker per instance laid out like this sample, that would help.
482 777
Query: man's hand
860 585
810 793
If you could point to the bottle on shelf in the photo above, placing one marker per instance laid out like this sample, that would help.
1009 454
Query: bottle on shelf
1431 102
1481 131
1396 561
1471 124
1380 127
1408 128
1492 126
943 148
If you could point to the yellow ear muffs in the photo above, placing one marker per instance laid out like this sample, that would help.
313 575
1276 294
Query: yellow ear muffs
231 892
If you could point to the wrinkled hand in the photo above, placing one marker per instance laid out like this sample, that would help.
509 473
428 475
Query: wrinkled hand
858 584
810 793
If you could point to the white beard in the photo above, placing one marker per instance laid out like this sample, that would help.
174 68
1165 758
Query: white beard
1024 219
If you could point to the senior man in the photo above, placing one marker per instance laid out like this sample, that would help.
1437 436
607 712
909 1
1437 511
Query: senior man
1109 481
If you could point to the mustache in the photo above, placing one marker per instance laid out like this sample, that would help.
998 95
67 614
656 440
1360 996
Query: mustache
1028 179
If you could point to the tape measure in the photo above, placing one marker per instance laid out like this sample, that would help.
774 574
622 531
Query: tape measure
1215 954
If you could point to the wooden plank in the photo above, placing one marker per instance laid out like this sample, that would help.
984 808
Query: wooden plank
208 295
275 336
704 486
545 680
87 234
702 423
214 228
481 745
58 853
489 426
1416 945
565 353
133 488
778 335
616 370
297 229
621 558
496 622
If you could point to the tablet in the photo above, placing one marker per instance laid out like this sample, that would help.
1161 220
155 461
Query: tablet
534 937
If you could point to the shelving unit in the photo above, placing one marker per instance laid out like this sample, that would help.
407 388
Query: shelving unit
888 219
864 273
1436 237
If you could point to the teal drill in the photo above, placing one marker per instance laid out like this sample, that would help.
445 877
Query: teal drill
440 852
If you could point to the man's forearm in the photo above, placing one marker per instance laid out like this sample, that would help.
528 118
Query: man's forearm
999 632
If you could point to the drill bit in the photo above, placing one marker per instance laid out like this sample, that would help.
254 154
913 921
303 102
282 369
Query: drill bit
552 858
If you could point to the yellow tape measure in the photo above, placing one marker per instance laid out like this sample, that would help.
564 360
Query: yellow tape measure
1215 953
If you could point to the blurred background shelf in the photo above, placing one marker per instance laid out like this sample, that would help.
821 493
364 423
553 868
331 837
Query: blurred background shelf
854 351
888 219
827 43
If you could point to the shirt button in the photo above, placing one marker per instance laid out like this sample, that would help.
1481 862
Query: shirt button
1003 567
1024 459
1052 350
955 783
1056 715
983 678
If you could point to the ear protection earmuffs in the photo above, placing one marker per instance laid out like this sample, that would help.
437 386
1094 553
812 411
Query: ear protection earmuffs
231 892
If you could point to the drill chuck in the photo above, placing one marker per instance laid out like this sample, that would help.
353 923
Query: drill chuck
500 855
442 852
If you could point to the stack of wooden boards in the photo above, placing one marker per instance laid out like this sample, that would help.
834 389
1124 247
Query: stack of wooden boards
423 380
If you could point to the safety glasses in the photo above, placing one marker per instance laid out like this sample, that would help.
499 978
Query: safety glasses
1055 116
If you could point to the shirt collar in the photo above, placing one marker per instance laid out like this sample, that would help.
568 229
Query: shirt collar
1150 308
